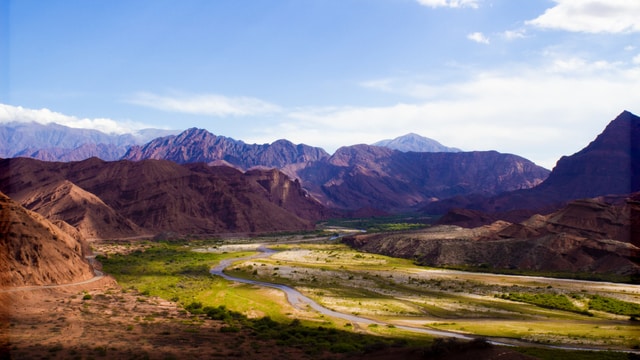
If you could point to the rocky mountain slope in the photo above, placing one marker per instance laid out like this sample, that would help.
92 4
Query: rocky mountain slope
65 201
608 165
364 176
416 143
199 145
34 251
137 198
587 236
53 142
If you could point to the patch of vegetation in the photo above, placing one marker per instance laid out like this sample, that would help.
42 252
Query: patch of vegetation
385 223
614 306
173 272
486 268
547 301
313 340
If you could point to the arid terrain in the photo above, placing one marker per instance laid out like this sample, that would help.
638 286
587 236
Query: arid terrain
101 319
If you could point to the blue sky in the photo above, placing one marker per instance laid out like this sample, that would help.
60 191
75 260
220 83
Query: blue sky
537 78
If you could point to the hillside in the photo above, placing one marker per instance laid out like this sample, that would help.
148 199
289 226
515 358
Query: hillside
364 176
81 209
33 251
586 236
609 165
159 196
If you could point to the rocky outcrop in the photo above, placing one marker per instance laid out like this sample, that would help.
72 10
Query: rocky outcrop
199 145
33 251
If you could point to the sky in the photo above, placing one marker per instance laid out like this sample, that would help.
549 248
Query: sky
536 78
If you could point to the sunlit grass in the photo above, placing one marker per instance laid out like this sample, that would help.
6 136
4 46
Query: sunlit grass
176 273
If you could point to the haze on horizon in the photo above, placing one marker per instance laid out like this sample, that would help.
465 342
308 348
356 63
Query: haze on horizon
539 79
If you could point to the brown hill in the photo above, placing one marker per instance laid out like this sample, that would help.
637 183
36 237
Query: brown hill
83 210
588 236
33 251
609 165
364 176
162 196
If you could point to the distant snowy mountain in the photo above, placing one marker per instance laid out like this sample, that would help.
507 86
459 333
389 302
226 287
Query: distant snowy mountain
53 142
416 143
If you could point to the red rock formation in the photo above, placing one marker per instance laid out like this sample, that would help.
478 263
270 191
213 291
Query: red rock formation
33 251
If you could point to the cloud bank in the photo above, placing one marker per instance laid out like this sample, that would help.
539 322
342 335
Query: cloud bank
591 16
205 104
9 113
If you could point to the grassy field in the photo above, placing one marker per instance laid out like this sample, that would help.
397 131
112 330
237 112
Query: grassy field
390 290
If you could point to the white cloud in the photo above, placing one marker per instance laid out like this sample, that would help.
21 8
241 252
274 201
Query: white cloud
206 104
591 16
9 113
478 37
540 113
514 34
450 3
636 59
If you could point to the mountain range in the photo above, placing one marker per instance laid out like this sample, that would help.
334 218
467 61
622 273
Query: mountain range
360 178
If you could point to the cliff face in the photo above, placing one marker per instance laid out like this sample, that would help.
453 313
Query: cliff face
127 198
34 251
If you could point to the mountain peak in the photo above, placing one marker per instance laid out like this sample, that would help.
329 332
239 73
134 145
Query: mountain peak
416 143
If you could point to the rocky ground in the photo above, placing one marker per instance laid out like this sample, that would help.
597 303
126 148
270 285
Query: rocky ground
105 321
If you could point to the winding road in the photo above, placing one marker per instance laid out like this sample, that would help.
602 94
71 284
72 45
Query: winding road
97 275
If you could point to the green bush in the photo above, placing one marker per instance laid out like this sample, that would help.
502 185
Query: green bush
614 306
548 301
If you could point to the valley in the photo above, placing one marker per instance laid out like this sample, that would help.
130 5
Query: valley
383 296
202 246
